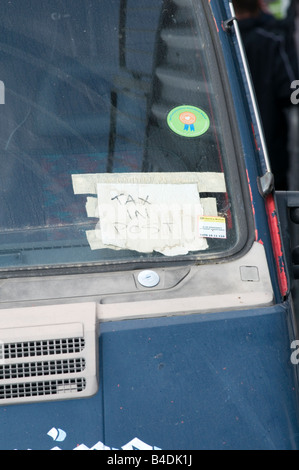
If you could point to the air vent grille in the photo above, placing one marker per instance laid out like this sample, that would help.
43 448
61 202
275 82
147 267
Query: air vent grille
43 348
48 353
41 389
46 368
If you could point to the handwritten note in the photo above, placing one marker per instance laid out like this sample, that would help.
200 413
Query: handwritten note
150 217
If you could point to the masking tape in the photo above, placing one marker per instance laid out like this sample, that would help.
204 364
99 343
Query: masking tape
207 182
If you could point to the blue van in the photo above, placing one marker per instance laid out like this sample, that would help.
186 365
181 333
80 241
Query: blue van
145 289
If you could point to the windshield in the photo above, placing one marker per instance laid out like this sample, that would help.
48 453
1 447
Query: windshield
115 143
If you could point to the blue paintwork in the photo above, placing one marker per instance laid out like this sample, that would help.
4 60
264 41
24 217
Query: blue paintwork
221 381
215 381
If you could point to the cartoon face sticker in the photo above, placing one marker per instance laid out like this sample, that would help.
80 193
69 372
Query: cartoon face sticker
188 121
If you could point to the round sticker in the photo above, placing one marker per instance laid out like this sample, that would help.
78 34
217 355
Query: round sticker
188 121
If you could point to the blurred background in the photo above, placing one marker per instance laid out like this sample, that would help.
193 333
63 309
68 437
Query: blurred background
288 10
270 32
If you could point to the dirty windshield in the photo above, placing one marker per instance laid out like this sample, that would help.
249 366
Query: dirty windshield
113 134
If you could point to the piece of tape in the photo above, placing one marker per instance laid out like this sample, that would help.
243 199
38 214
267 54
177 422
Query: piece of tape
207 182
